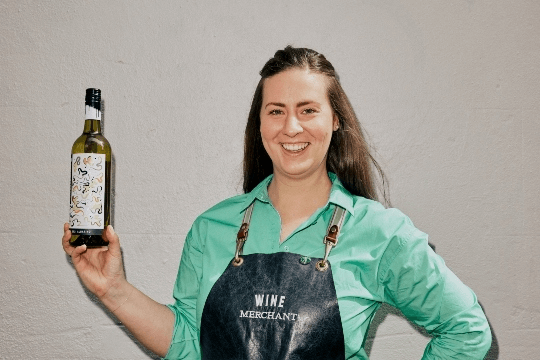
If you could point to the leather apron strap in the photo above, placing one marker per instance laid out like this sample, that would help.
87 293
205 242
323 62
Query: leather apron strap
241 237
330 240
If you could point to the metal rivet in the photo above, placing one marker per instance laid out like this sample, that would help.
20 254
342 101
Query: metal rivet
322 265
237 263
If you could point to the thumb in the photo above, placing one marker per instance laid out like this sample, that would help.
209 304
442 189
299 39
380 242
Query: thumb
114 242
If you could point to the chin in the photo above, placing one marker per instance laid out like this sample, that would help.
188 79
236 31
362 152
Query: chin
297 172
297 169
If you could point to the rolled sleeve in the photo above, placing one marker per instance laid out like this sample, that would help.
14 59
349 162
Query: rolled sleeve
185 339
417 282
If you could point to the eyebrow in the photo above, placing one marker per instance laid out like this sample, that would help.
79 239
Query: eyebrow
300 104
275 103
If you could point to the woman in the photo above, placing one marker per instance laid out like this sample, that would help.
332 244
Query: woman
315 254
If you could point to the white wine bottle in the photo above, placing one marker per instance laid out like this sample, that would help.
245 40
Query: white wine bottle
90 209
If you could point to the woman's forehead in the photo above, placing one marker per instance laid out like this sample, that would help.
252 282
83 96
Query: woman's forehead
293 84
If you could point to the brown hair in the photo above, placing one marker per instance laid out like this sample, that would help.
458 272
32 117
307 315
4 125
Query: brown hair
349 155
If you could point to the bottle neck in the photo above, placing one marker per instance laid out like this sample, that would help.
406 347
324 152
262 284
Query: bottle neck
92 126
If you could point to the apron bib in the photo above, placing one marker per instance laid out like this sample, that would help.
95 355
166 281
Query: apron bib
274 306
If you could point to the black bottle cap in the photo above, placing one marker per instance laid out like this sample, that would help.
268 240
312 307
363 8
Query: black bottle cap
93 98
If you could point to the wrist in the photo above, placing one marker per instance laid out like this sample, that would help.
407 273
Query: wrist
116 295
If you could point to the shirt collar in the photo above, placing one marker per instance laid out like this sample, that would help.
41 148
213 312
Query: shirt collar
338 194
259 192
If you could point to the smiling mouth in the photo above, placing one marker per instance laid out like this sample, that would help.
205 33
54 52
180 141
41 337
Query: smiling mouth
296 147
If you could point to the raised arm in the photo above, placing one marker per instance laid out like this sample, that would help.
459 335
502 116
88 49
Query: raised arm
101 271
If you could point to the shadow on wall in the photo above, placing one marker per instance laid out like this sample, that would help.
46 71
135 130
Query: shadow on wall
98 303
385 309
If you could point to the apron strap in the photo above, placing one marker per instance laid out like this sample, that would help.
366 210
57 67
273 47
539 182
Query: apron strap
331 238
242 236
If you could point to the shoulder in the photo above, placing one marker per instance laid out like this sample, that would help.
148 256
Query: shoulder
226 212
220 221
229 211
225 218
367 215
377 220
383 232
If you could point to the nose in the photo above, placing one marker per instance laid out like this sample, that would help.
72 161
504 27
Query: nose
292 126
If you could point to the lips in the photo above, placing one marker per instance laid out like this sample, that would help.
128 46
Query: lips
296 147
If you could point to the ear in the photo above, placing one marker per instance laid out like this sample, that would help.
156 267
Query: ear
335 123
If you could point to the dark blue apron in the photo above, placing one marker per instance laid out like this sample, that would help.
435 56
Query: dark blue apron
274 306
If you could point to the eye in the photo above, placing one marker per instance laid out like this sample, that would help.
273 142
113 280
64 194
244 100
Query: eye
275 112
309 111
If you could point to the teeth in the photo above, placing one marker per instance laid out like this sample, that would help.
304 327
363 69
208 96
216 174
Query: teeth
295 147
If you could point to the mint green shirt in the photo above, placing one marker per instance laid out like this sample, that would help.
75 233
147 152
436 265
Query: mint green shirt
380 257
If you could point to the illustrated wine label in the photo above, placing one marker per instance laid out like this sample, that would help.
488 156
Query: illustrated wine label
86 215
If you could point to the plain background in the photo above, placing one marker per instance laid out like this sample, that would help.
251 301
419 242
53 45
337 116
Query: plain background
447 90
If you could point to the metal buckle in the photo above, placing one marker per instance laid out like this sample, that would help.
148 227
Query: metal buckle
331 237
240 240
330 240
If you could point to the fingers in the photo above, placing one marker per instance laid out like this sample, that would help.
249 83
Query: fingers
108 235
65 239
76 253
114 242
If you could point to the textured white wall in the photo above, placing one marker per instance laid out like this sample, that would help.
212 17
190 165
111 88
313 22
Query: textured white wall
448 91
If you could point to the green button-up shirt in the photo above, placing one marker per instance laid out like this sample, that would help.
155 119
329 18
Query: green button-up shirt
380 257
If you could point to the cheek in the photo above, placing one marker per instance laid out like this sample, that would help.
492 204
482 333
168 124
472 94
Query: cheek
265 136
326 141
268 131
322 133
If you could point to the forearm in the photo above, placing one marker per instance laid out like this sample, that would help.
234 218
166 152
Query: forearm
466 336
149 321
428 293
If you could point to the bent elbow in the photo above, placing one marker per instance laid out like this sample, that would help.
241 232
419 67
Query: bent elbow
485 339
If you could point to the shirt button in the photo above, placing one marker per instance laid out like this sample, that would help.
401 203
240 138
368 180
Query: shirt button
286 248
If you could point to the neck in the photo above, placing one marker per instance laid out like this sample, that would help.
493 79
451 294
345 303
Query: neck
300 195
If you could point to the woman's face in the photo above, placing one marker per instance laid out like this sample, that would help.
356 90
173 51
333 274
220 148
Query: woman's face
297 122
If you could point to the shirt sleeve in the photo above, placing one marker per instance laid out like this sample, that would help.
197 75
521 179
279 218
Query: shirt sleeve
417 282
185 338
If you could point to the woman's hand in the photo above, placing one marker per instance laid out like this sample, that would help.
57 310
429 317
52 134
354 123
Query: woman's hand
100 269
102 272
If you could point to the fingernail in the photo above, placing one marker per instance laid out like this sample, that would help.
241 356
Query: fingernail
111 228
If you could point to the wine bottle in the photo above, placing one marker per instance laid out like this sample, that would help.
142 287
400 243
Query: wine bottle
90 178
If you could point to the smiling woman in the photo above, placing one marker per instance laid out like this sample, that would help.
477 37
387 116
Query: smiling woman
348 154
309 182
297 123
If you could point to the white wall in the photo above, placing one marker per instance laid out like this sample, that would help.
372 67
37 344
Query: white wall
448 91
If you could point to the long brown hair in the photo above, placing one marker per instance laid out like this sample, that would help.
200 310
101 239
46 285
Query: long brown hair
349 155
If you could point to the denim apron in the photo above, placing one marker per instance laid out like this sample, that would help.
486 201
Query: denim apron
274 306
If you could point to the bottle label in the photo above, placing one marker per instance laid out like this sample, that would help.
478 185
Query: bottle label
86 215
92 113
